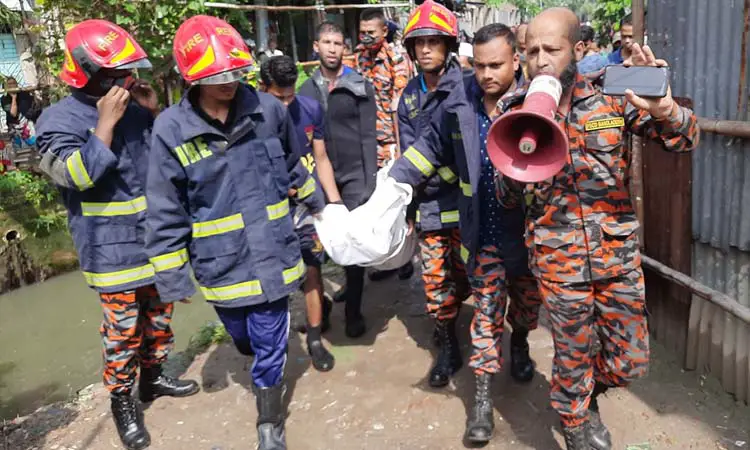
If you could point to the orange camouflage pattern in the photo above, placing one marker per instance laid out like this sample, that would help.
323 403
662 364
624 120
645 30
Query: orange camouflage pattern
135 331
581 223
492 289
446 285
612 311
388 72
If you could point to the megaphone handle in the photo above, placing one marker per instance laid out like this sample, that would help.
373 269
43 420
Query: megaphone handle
527 143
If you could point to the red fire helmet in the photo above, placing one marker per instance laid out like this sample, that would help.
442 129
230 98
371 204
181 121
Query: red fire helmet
93 45
210 51
431 19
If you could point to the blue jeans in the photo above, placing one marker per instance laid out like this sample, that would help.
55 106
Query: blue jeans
264 330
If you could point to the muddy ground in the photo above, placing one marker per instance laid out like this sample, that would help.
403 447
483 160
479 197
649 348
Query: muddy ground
377 398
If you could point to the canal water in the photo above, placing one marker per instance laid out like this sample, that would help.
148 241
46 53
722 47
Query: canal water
50 345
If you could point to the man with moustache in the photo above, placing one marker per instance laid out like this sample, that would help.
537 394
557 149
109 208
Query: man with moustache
449 137
501 273
348 101
581 227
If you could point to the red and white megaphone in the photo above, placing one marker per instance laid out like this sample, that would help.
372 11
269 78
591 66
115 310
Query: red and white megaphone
528 145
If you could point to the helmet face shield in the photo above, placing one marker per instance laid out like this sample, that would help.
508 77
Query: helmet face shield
226 77
144 64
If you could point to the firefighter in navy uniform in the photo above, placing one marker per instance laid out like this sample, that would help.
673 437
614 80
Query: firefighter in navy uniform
221 166
94 144
450 137
436 201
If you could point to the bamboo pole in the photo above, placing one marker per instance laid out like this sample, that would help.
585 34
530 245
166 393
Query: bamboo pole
720 299
305 8
734 128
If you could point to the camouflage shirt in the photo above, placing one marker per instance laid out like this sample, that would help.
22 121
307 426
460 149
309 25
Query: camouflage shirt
388 71
581 224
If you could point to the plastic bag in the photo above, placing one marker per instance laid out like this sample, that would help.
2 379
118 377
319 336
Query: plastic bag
376 233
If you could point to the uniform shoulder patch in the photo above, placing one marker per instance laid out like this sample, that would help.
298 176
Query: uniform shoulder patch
603 124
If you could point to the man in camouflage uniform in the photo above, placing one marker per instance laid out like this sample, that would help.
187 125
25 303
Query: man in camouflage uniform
388 71
581 228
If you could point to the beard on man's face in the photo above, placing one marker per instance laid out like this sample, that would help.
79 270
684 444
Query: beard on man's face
331 65
568 76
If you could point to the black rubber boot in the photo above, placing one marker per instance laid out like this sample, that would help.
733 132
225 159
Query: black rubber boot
322 359
129 421
155 384
481 423
577 438
601 439
449 359
355 322
521 364
269 401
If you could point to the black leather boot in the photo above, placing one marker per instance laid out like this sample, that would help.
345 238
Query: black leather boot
355 322
601 439
449 358
269 401
481 423
577 438
129 421
521 364
155 384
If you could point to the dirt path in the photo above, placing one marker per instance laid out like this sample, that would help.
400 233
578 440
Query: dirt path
376 398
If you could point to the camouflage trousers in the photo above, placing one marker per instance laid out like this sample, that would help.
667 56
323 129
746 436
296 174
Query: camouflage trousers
491 289
135 330
443 272
612 310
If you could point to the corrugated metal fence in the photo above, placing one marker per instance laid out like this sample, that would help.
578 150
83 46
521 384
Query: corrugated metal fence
704 42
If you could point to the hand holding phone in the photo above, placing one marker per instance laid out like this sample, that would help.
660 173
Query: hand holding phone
660 107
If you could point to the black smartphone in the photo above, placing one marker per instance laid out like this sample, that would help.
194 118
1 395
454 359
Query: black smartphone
644 81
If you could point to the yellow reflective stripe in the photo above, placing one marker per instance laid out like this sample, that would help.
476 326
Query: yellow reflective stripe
449 216
418 216
117 278
278 210
465 188
169 260
218 226
78 172
419 161
114 208
464 254
295 273
447 175
246 289
306 189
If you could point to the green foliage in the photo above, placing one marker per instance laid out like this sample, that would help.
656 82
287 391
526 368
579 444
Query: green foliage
607 15
209 334
31 201
8 18
302 76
